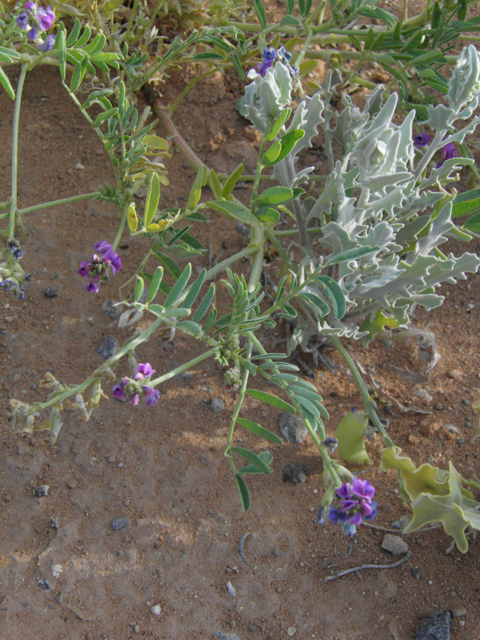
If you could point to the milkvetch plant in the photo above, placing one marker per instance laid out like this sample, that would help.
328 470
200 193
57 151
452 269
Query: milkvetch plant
368 242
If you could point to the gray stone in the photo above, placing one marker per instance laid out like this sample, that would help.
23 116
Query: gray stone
292 428
217 405
51 293
108 347
45 585
435 627
416 573
110 310
458 612
296 473
41 491
401 524
226 636
394 544
120 522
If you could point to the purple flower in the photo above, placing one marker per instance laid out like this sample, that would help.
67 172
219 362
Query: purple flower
100 266
349 529
118 391
134 400
48 44
45 18
268 57
17 252
145 370
363 489
29 6
22 20
345 491
92 287
447 153
102 246
421 140
151 395
32 34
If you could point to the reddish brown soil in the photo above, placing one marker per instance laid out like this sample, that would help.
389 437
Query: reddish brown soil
163 467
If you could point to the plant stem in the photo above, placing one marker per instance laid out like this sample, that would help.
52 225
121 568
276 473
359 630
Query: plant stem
121 226
16 124
367 402
238 406
180 369
55 203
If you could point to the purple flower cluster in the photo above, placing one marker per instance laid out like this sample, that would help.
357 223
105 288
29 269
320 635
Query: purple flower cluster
34 20
357 505
99 268
447 153
131 389
268 57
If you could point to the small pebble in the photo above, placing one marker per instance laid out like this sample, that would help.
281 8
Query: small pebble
44 584
110 310
296 473
231 589
394 544
438 406
225 636
217 405
79 166
120 522
458 612
460 441
466 402
156 610
401 524
291 631
435 627
108 347
292 428
468 424
51 293
416 573
454 374
41 491
57 569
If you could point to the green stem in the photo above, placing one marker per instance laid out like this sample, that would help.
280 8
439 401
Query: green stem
182 368
16 125
237 409
367 402
121 226
56 203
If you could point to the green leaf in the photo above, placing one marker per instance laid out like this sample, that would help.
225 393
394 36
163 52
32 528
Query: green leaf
270 399
208 55
169 265
152 199
139 287
253 459
84 38
192 328
335 295
196 190
212 316
260 431
271 154
243 491
267 215
275 195
280 121
351 254
290 21
179 286
350 434
5 82
466 203
214 184
316 302
195 290
62 59
155 284
74 33
260 11
251 469
238 66
205 303
288 141
235 211
232 180
290 7
78 74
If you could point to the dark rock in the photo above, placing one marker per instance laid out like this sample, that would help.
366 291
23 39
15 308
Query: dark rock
108 347
51 292
120 522
110 310
41 491
226 636
435 627
292 428
217 405
416 573
44 584
296 473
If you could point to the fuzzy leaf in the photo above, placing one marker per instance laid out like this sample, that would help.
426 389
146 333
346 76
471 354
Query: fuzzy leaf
350 434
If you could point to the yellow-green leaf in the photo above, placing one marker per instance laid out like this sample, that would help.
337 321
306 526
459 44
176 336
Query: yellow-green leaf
132 218
350 434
